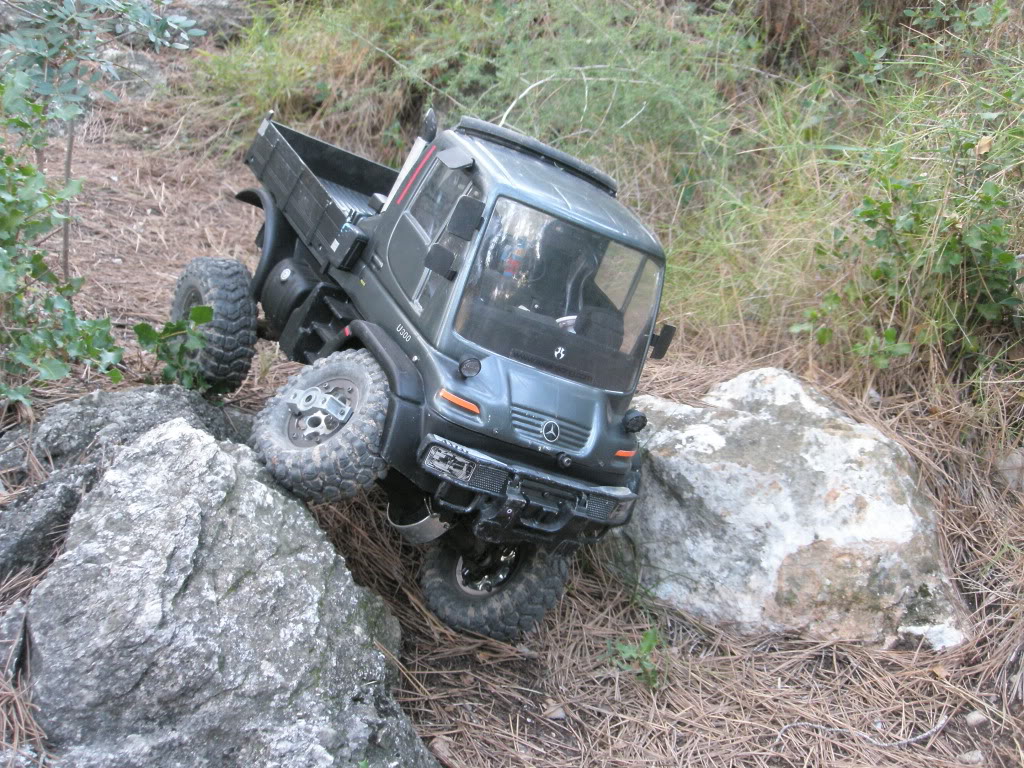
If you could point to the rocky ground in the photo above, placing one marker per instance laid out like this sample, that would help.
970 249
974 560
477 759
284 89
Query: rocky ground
195 612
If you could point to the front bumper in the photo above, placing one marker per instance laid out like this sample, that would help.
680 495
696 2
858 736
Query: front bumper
519 503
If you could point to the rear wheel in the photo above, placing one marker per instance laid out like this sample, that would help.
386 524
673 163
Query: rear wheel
230 337
320 435
502 593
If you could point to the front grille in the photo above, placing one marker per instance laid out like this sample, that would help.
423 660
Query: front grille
530 425
489 479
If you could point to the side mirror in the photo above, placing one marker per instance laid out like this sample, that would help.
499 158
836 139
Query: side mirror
466 218
440 259
661 341
428 128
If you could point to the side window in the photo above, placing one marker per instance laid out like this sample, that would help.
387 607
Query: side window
615 275
421 225
436 199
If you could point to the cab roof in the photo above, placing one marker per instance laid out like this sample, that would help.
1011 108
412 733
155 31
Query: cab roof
526 170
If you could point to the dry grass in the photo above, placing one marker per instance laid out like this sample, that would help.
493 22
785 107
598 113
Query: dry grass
810 29
560 698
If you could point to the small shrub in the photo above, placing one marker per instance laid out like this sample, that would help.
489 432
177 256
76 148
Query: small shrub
52 60
956 16
933 269
639 659
40 333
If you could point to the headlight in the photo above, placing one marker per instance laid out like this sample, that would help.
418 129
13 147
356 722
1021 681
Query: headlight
449 463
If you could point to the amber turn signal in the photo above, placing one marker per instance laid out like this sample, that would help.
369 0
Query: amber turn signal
625 454
456 400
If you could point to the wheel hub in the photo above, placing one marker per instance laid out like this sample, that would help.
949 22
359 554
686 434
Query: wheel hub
491 575
319 412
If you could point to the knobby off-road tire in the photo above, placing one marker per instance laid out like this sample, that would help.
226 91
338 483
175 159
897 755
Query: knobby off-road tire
230 338
346 460
517 605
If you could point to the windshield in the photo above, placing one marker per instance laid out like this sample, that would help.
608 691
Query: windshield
559 297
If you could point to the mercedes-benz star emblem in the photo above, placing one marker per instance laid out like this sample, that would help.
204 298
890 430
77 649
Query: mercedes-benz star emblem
560 352
550 431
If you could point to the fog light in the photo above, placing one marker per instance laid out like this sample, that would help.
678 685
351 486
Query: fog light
469 367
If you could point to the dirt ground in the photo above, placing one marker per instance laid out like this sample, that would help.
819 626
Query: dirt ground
563 697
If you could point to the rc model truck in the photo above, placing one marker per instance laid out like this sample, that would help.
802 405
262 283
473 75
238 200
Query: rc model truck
474 326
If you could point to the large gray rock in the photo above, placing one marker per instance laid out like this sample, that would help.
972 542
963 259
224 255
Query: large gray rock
768 509
30 527
99 423
199 617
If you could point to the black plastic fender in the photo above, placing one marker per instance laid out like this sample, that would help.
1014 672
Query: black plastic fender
278 237
405 408
403 377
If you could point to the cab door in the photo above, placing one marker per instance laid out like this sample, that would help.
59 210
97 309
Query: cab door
420 225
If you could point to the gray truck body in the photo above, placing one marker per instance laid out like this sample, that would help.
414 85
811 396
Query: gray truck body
339 267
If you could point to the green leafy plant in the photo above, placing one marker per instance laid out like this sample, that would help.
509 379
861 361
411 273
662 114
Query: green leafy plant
639 658
59 51
958 17
882 348
51 61
175 344
869 65
40 333
61 47
816 319
935 268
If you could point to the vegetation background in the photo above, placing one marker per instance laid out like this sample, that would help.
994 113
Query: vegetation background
838 187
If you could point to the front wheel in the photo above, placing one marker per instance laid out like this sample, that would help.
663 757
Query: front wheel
320 435
501 594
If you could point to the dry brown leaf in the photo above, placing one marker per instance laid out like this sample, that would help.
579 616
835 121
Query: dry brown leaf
442 748
983 147
553 711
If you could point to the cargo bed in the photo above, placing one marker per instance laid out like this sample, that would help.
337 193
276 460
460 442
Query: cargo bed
318 187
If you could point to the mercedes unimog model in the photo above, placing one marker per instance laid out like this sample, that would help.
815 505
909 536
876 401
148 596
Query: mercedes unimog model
474 326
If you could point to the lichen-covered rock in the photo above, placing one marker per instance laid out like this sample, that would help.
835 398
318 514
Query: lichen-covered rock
199 617
100 422
768 509
30 525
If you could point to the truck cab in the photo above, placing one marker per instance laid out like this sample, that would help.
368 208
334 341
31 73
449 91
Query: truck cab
527 297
